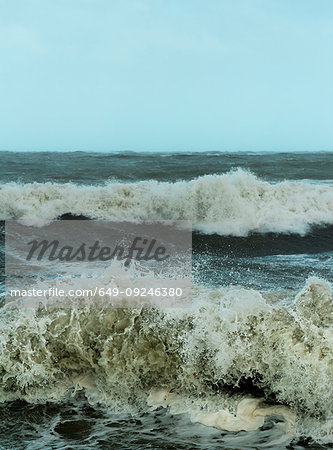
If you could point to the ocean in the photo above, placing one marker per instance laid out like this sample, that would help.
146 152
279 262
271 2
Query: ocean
260 326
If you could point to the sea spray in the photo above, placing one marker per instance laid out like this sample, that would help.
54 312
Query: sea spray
230 344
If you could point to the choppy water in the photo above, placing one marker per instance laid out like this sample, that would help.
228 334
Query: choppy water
93 168
260 324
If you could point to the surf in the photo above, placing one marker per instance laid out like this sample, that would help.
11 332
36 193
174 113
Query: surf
233 343
233 204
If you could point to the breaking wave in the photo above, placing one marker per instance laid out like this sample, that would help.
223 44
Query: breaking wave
235 203
231 343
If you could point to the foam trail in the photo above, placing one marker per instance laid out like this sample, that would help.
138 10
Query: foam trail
235 203
249 415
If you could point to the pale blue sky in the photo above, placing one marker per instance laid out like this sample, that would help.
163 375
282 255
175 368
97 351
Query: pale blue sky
161 75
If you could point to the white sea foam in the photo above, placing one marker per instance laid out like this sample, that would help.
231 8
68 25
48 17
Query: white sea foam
212 355
235 203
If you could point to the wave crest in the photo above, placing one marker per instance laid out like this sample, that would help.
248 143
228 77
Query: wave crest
235 203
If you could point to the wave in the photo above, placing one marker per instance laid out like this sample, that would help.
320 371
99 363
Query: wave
317 240
236 203
233 342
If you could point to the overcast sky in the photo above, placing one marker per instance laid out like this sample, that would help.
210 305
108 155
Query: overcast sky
163 75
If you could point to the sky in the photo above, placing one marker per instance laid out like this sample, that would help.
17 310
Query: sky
166 75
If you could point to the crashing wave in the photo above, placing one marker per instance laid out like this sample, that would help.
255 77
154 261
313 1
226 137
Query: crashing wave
235 203
231 344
